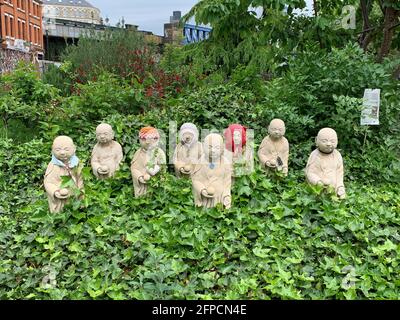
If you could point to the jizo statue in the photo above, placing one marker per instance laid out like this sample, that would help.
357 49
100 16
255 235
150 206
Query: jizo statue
212 177
64 163
239 151
325 164
147 161
188 151
274 149
107 154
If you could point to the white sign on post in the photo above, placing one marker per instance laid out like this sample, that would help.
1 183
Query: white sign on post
370 110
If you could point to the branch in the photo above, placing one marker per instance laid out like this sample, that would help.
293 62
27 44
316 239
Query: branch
394 26
366 27
364 11
381 5
315 5
367 30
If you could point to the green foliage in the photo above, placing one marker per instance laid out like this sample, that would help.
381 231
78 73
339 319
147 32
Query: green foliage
281 240
23 96
261 40
114 51
109 94
57 77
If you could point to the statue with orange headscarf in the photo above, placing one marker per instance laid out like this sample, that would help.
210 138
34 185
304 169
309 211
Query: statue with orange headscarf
274 149
147 161
239 150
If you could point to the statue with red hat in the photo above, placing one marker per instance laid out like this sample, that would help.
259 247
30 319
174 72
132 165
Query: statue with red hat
239 149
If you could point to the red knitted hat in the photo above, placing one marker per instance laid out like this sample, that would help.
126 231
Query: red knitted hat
229 144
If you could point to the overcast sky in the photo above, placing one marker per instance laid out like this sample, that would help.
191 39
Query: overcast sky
150 15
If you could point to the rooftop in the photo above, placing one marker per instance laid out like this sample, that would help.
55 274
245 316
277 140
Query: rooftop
74 3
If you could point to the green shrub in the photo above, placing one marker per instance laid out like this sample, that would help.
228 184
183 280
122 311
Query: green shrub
282 239
105 96
24 100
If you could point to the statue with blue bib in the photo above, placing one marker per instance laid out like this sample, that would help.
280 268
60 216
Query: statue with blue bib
64 163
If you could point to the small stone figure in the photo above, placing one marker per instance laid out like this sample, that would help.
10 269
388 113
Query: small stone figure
189 151
239 151
107 154
63 163
274 149
147 161
325 164
212 177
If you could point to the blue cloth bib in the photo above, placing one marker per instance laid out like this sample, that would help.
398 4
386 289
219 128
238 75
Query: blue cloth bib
73 161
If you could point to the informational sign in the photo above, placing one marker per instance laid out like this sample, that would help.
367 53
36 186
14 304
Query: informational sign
370 110
17 44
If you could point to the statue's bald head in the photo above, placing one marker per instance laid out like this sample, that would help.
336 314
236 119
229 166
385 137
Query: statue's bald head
276 129
63 141
213 145
63 148
327 140
104 133
104 127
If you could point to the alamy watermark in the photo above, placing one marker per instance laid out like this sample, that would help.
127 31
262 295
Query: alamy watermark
347 19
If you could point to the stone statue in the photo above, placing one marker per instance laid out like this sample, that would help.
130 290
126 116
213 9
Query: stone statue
188 151
274 149
239 151
147 161
212 177
63 163
325 164
107 153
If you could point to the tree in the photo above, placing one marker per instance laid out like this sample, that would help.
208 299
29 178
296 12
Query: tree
249 32
391 11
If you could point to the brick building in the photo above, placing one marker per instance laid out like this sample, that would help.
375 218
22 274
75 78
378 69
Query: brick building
21 34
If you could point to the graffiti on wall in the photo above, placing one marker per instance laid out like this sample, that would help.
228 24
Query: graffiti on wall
10 58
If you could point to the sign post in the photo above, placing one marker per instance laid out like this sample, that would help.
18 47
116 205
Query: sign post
370 110
371 105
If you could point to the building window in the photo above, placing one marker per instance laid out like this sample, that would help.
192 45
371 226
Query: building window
24 30
7 21
21 29
35 9
12 31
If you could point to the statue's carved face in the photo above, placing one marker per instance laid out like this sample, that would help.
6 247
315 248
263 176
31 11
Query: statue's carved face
237 137
149 143
327 140
276 129
104 134
213 147
63 149
187 138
